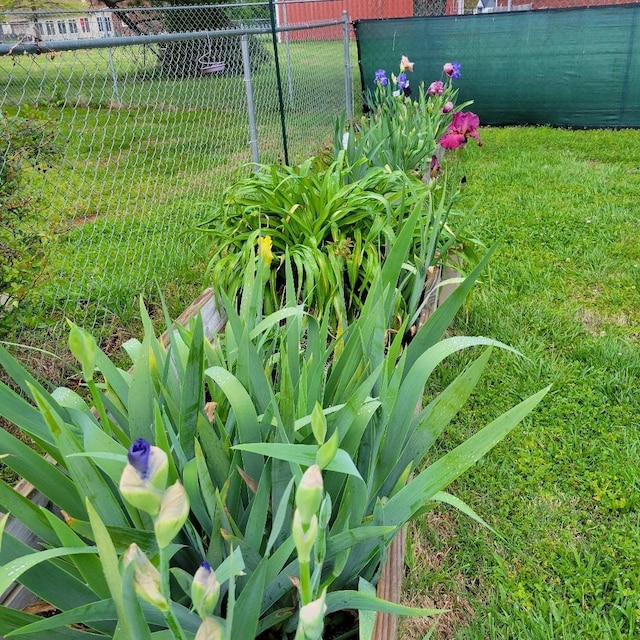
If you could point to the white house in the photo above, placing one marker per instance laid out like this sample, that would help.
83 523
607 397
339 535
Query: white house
42 26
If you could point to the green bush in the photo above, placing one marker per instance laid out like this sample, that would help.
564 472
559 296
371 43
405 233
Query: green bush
25 145
335 232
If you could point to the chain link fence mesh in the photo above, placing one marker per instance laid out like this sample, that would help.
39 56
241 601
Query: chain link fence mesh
149 117
141 120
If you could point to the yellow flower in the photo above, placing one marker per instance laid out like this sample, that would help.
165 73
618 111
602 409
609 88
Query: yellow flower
265 245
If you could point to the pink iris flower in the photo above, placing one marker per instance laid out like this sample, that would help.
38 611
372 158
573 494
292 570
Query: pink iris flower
435 88
462 126
448 106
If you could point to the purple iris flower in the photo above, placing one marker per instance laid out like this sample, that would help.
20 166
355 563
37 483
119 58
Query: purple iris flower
435 88
205 565
138 457
381 77
403 83
452 69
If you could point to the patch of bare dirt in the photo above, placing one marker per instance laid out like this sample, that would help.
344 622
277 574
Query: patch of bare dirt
450 595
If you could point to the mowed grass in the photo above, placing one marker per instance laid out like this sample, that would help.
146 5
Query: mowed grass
141 158
563 490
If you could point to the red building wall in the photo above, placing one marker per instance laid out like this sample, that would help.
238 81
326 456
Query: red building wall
293 12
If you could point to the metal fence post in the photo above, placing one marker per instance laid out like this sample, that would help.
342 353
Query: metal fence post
251 107
287 45
347 66
276 58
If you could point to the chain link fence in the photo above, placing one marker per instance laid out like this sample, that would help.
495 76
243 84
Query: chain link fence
151 114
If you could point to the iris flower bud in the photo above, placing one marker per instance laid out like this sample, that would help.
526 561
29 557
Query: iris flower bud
174 510
205 590
303 536
210 629
327 452
145 476
146 578
311 620
309 494
84 348
318 423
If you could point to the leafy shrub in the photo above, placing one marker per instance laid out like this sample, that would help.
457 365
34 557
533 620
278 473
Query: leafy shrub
335 234
24 144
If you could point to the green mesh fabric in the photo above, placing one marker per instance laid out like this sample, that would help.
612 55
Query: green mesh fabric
565 67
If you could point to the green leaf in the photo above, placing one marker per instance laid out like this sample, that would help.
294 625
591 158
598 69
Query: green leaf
88 481
130 626
245 625
432 421
25 416
88 566
52 581
95 611
191 484
366 619
340 600
141 395
42 474
192 396
302 454
11 620
460 505
409 395
284 508
257 522
11 571
24 510
245 414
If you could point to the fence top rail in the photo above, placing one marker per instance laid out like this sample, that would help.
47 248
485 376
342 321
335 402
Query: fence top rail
43 12
36 48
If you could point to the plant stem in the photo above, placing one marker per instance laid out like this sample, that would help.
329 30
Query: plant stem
305 582
169 616
173 624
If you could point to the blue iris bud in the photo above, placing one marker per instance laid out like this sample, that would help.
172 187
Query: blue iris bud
205 590
138 457
144 478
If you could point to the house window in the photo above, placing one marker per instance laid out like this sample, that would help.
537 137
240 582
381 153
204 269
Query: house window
62 26
49 26
85 27
104 23
73 26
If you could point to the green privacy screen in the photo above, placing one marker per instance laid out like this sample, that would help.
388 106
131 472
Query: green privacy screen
567 67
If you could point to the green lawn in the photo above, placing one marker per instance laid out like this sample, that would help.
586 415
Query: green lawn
141 156
563 491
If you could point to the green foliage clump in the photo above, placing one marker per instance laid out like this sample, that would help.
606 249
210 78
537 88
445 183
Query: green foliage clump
25 145
278 453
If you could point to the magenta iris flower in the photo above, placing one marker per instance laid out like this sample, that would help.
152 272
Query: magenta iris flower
381 77
463 126
448 107
138 456
452 69
435 88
